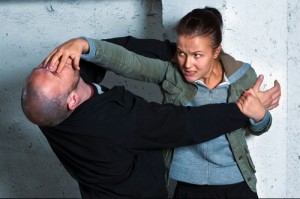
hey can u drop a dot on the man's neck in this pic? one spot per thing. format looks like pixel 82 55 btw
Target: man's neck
pixel 84 91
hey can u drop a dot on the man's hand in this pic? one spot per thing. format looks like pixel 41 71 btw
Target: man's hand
pixel 72 49
pixel 250 105
pixel 269 98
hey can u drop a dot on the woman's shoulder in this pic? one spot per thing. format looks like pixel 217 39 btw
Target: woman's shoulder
pixel 230 64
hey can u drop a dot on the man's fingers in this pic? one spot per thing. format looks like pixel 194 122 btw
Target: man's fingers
pixel 239 104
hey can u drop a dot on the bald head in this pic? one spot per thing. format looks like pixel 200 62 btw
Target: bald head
pixel 45 94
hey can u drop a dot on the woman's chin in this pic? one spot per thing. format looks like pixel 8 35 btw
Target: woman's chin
pixel 190 79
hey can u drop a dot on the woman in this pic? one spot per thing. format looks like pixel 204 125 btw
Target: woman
pixel 218 168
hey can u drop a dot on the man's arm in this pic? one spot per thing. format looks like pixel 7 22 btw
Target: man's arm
pixel 159 126
pixel 164 126
pixel 152 48
pixel 91 72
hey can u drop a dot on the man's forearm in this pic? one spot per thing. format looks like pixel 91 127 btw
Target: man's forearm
pixel 162 126
pixel 152 48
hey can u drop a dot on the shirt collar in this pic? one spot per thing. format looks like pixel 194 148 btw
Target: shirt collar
pixel 99 89
pixel 225 81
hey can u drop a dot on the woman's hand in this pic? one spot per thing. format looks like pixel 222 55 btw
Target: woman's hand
pixel 72 49
pixel 269 98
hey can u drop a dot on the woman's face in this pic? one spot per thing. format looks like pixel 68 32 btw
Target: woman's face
pixel 195 57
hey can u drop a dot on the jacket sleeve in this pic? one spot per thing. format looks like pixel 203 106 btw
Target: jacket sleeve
pixel 152 48
pixel 258 128
pixel 126 63
pixel 164 126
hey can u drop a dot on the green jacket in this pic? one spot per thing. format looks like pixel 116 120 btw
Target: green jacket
pixel 179 92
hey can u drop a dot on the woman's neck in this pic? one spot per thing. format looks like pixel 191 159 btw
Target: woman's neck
pixel 216 75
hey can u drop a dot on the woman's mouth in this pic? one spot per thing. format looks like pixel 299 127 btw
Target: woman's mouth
pixel 189 73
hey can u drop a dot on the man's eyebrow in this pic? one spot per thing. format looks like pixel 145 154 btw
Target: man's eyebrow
pixel 53 72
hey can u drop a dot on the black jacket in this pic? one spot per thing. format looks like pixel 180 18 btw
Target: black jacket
pixel 111 144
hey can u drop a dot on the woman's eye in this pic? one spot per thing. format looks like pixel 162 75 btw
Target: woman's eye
pixel 181 54
pixel 197 55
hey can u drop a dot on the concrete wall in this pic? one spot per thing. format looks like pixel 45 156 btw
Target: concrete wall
pixel 263 33
pixel 293 107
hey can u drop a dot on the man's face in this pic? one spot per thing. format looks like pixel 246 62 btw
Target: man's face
pixel 56 83
pixel 45 96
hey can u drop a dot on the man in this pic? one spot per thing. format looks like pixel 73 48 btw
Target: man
pixel 110 141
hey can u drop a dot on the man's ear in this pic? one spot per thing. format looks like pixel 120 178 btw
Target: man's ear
pixel 72 101
pixel 217 51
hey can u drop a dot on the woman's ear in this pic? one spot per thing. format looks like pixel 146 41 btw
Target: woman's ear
pixel 72 101
pixel 217 51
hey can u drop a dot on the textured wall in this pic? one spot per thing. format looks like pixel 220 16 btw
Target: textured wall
pixel 293 109
pixel 263 33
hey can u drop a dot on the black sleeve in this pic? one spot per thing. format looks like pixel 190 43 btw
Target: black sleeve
pixel 163 50
pixel 91 72
pixel 160 126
